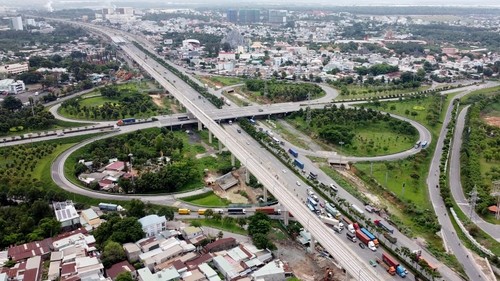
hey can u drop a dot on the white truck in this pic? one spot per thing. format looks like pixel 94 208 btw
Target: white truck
pixel 351 229
pixel 332 222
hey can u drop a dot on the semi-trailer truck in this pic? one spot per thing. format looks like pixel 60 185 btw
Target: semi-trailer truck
pixel 391 238
pixel 399 270
pixel 388 268
pixel 370 235
pixel 268 210
pixel 332 222
pixel 126 121
pixel 299 164
pixel 367 241
pixel 293 152
pixel 380 224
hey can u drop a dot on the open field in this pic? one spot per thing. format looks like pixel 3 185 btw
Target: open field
pixel 222 224
pixel 219 81
pixel 360 92
pixel 208 199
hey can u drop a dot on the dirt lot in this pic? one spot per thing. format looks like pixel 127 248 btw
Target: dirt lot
pixel 307 267
pixel 492 120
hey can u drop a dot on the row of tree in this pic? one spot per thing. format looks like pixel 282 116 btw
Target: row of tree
pixel 280 91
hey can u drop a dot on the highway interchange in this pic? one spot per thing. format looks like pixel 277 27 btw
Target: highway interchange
pixel 269 171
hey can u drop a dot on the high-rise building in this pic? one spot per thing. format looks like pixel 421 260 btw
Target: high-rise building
pixel 125 11
pixel 17 23
pixel 232 16
pixel 249 16
pixel 277 16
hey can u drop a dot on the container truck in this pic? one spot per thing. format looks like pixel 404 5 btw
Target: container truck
pixel 126 121
pixel 331 222
pixel 391 239
pixel 268 210
pixel 383 226
pixel 388 268
pixel 184 211
pixel 299 164
pixel 367 241
pixel 390 261
pixel 293 152
pixel 370 235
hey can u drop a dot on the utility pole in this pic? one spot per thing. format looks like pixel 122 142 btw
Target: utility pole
pixel 472 201
pixel 308 109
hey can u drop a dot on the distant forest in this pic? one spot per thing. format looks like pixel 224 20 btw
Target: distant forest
pixel 414 10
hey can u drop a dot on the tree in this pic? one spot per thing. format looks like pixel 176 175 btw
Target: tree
pixel 124 276
pixel 209 213
pixel 12 103
pixel 119 230
pixel 261 241
pixel 167 212
pixel 196 224
pixel 136 208
pixel 113 252
pixel 220 234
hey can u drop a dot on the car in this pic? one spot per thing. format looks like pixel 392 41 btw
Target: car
pixel 373 263
pixel 284 171
pixel 297 183
pixel 321 204
pixel 248 143
pixel 238 130
pixel 260 109
pixel 362 246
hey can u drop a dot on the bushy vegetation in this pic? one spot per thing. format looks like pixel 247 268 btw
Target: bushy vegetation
pixel 120 102
pixel 377 69
pixel 338 124
pixel 259 226
pixel 280 91
pixel 480 155
pixel 15 117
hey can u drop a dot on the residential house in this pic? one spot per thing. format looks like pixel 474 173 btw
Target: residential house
pixel 191 232
pixel 25 251
pixel 66 213
pixel 209 272
pixel 153 224
pixel 193 275
pixel 120 267
pixel 228 270
pixel 273 271
pixel 144 274
pixel 132 251
pixel 89 217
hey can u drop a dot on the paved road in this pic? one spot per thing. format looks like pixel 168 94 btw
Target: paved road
pixel 451 240
pixel 456 183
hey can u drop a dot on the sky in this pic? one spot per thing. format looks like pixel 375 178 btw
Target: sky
pixel 61 4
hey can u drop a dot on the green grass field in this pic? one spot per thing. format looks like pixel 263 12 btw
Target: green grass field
pixel 230 227
pixel 385 142
pixel 208 199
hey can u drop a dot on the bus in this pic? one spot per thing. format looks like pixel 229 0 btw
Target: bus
pixel 235 211
pixel 201 212
pixel 311 201
pixel 184 211
pixel 183 118
pixel 313 175
pixel 311 208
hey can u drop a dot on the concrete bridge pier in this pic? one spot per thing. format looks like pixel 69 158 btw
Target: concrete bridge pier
pixel 265 194
pixel 200 126
pixel 286 216
pixel 233 160
pixel 210 135
pixel 247 176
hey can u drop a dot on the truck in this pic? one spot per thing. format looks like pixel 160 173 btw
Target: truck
pixel 391 238
pixel 110 207
pixel 184 211
pixel 293 152
pixel 383 226
pixel 313 175
pixel 312 201
pixel 331 221
pixel 390 261
pixel 370 235
pixel 388 268
pixel 424 144
pixel 358 209
pixel 126 121
pixel 367 241
pixel 276 140
pixel 299 164
pixel 332 210
pixel 268 210
pixel 227 102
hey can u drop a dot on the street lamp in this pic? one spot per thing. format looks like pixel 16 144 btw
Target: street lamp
pixel 341 146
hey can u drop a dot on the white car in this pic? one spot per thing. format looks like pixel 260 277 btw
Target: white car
pixel 284 171
pixel 297 183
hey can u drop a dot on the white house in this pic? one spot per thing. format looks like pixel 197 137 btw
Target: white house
pixel 66 213
pixel 153 224
pixel 11 86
